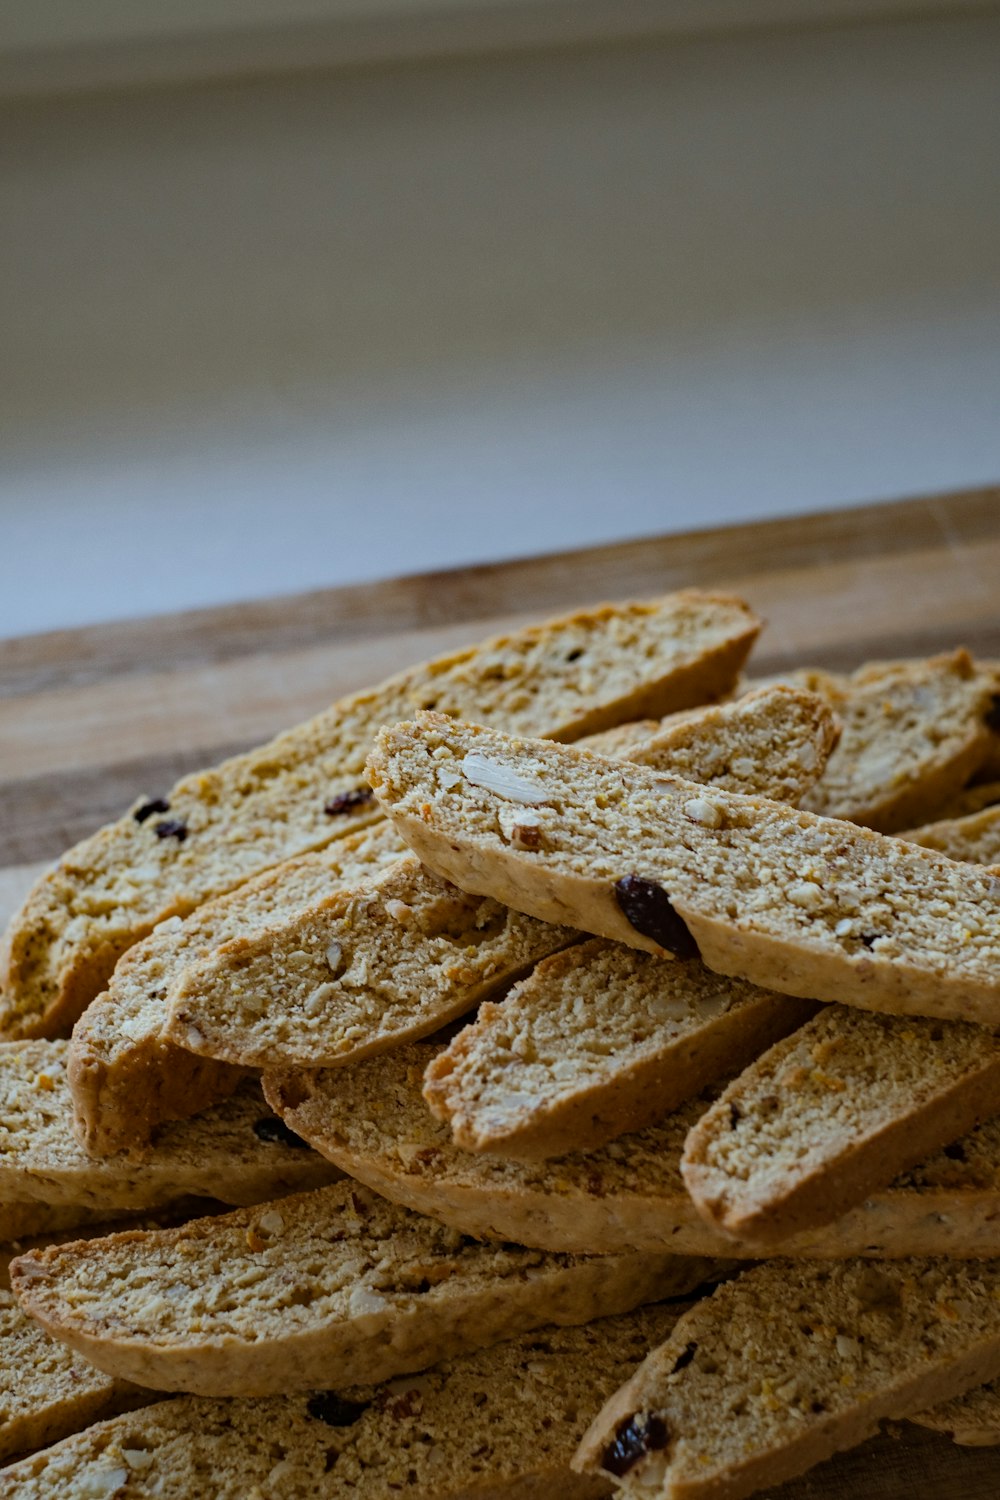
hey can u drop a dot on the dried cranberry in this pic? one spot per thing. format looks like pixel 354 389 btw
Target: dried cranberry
pixel 171 828
pixel 735 1116
pixel 992 714
pixel 328 1407
pixel 870 938
pixel 147 809
pixel 275 1132
pixel 955 1152
pixel 633 1440
pixel 346 802
pixel 647 907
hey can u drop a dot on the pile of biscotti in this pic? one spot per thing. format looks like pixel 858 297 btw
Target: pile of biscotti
pixel 567 1067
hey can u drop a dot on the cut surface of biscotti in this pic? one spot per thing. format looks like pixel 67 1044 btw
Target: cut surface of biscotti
pixel 126 1076
pixel 271 1299
pixel 47 1391
pixel 598 1040
pixel 237 1152
pixel 975 837
pixel 832 1112
pixel 371 1121
pixel 972 1420
pixel 806 905
pixel 500 1422
pixel 772 742
pixel 217 828
pixel 914 732
pixel 790 1363
pixel 379 962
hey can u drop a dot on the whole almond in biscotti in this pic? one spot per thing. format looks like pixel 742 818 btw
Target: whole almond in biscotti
pixel 237 1152
pixel 371 1121
pixel 501 1422
pixel 217 828
pixel 806 905
pixel 380 962
pixel 832 1112
pixel 773 742
pixel 789 1364
pixel 275 1298
pixel 913 733
pixel 597 1040
pixel 125 1074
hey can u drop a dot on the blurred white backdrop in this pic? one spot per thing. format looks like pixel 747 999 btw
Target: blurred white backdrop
pixel 274 334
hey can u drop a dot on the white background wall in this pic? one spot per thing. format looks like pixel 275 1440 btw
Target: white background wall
pixel 266 335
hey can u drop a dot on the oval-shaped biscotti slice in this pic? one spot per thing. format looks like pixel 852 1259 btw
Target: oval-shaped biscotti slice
pixel 501 1422
pixel 772 742
pixel 832 1112
pixel 794 902
pixel 216 828
pixel 790 1363
pixel 371 1121
pixel 237 1152
pixel 975 837
pixel 379 962
pixel 272 1299
pixel 914 732
pixel 598 1040
pixel 126 1076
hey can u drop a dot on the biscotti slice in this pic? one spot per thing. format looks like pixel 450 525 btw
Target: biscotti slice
pixel 972 800
pixel 371 1121
pixel 379 962
pixel 273 1299
pixel 46 1391
pixel 830 1113
pixel 237 1152
pixel 125 1075
pixel 789 1364
pixel 597 1041
pixel 914 732
pixel 500 1422
pixel 22 1219
pixel 806 905
pixel 217 828
pixel 972 1420
pixel 975 837
pixel 773 742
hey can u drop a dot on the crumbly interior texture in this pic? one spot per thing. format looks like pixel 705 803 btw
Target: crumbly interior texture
pixel 790 1363
pixel 372 1121
pixel 126 1076
pixel 217 828
pixel 598 1040
pixel 268 1299
pixel 46 1391
pixel 382 961
pixel 237 1152
pixel 772 742
pixel 833 1111
pixel 913 733
pixel 795 902
pixel 502 1422
pixel 975 837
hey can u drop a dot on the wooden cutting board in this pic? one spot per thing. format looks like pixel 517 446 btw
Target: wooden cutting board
pixel 90 719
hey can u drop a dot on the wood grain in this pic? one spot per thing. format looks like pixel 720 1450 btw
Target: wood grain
pixel 90 719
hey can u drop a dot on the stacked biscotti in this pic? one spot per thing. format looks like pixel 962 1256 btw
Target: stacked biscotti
pixel 579 979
